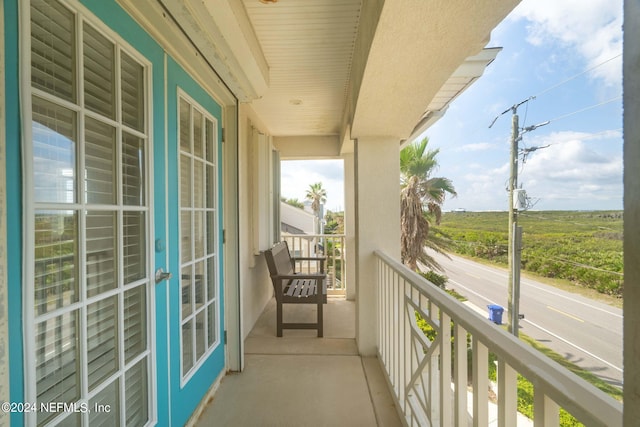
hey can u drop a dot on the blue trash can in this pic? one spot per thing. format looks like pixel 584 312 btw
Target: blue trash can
pixel 495 313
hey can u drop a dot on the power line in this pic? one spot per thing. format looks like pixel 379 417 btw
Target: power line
pixel 540 217
pixel 590 136
pixel 586 109
pixel 578 75
pixel 566 261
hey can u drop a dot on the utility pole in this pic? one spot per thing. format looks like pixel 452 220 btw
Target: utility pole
pixel 515 232
pixel 512 287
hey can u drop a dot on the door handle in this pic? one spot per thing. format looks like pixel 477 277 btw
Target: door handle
pixel 161 275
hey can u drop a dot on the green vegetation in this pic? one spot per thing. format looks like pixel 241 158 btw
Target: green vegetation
pixel 526 390
pixel 421 198
pixel 334 222
pixel 293 202
pixel 582 247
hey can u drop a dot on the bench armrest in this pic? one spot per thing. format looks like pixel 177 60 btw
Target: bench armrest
pixel 321 260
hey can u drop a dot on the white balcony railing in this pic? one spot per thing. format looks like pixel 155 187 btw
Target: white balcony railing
pixel 331 246
pixel 431 381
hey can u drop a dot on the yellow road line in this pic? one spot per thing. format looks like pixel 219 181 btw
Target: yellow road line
pixel 566 314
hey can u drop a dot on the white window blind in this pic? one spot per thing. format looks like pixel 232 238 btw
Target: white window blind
pixel 90 257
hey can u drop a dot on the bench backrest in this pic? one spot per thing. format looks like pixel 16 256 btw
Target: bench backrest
pixel 279 260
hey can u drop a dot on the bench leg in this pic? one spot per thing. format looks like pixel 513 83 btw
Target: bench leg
pixel 320 320
pixel 278 319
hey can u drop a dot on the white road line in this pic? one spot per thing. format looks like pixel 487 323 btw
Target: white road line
pixel 528 283
pixel 473 292
pixel 571 299
pixel 543 329
pixel 572 344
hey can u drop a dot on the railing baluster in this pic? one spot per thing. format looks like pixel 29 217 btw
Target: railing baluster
pixel 545 411
pixel 480 383
pixel 460 375
pixel 507 395
pixel 445 370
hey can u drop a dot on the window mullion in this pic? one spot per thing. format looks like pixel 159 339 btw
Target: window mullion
pixel 120 227
pixel 81 326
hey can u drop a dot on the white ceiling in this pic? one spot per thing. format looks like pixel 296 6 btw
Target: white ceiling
pixel 339 69
pixel 308 46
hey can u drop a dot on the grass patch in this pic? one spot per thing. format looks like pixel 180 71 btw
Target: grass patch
pixel 584 248
pixel 612 391
pixel 526 389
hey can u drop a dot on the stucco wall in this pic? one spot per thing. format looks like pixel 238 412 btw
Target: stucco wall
pixel 377 202
pixel 255 287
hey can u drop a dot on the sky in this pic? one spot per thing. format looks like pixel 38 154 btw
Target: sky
pixel 567 55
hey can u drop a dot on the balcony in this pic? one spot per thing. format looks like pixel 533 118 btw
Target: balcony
pixel 303 380
pixel 300 379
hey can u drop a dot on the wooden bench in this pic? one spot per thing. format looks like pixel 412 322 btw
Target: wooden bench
pixel 296 288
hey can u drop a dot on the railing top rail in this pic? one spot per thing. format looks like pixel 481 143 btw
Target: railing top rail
pixel 306 236
pixel 568 390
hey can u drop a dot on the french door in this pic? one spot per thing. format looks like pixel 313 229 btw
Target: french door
pixel 88 262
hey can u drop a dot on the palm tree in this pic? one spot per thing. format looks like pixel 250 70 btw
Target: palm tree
pixel 317 195
pixel 422 197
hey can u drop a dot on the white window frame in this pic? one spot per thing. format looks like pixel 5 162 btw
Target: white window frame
pixel 81 15
pixel 194 105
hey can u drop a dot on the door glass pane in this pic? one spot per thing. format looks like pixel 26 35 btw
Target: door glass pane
pixel 136 386
pixel 209 140
pixel 53 59
pixel 185 235
pixel 101 252
pixel 99 153
pixel 201 334
pixel 185 181
pixel 185 126
pixel 187 346
pixel 197 134
pixel 211 233
pixel 199 284
pixel 212 331
pixel 57 356
pixel 186 291
pixel 56 263
pixel 102 347
pixel 54 152
pixel 211 279
pixel 199 234
pixel 99 70
pixel 133 110
pixel 134 252
pixel 105 407
pixel 135 322
pixel 211 187
pixel 133 170
pixel 198 184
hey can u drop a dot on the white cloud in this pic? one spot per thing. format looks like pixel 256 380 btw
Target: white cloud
pixel 297 175
pixel 572 170
pixel 479 146
pixel 593 28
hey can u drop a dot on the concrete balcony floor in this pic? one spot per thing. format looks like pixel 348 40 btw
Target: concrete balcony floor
pixel 302 380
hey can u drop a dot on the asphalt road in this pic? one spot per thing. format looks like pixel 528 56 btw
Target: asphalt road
pixel 586 332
